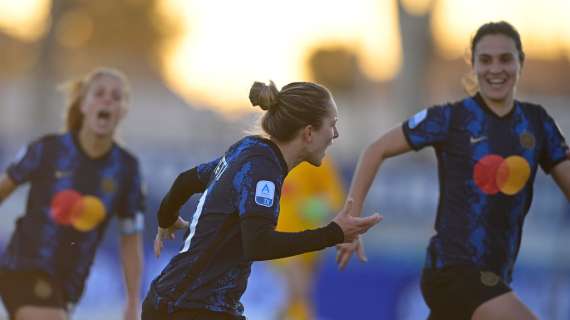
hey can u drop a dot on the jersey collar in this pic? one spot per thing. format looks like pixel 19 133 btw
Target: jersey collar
pixel 75 138
pixel 481 102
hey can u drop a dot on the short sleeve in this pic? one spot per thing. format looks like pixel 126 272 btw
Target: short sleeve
pixel 428 127
pixel 27 163
pixel 132 205
pixel 555 148
pixel 258 187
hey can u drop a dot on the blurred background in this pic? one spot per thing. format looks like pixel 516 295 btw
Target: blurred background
pixel 191 64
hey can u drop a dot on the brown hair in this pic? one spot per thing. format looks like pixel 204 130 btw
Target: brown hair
pixel 298 104
pixel 77 89
pixel 501 27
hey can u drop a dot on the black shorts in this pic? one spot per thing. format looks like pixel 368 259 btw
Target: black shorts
pixel 455 292
pixel 30 288
pixel 152 312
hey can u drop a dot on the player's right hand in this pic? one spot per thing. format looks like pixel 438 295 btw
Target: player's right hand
pixel 352 226
pixel 168 234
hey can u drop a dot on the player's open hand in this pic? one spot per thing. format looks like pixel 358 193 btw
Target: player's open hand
pixel 168 234
pixel 353 226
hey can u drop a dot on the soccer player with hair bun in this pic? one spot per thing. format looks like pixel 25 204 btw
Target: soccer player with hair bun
pixel 234 222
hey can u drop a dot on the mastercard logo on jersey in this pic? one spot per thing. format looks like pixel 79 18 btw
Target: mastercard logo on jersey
pixel 84 213
pixel 493 173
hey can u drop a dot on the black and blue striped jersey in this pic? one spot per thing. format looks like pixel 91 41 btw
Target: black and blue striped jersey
pixel 487 165
pixel 232 226
pixel 70 201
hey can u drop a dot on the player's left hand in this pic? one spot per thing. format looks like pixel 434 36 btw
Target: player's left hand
pixel 345 250
pixel 168 234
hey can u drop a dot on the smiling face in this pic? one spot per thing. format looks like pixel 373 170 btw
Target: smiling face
pixel 497 66
pixel 104 105
pixel 318 140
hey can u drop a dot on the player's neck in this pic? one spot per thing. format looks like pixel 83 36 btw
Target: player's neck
pixel 500 107
pixel 93 145
pixel 290 152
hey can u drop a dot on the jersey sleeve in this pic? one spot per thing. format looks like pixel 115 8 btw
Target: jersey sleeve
pixel 428 127
pixel 132 206
pixel 27 162
pixel 206 170
pixel 257 186
pixel 555 148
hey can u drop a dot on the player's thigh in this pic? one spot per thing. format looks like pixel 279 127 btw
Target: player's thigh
pixel 32 295
pixel 44 313
pixel 504 307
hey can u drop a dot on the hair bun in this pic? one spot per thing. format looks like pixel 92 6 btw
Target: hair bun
pixel 264 96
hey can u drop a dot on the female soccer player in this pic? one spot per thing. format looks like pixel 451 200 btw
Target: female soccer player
pixel 234 223
pixel 78 180
pixel 488 148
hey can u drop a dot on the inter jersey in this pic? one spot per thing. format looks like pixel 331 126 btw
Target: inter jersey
pixel 247 180
pixel 70 202
pixel 487 165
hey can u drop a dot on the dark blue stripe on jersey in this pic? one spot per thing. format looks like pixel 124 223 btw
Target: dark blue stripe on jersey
pixel 243 185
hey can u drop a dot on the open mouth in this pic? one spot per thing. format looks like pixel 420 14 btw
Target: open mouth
pixel 104 115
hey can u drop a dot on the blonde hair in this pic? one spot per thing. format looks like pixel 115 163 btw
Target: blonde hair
pixel 294 106
pixel 77 89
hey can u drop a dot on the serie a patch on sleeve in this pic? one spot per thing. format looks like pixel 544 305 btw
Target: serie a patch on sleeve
pixel 416 119
pixel 264 193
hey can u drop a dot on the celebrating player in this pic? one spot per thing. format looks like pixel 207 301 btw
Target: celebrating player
pixel 78 180
pixel 234 223
pixel 488 148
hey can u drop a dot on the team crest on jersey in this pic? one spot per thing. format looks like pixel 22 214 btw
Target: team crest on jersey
pixel 527 140
pixel 108 185
pixel 264 193
pixel 416 119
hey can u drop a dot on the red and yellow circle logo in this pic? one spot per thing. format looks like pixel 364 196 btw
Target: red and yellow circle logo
pixel 84 213
pixel 493 173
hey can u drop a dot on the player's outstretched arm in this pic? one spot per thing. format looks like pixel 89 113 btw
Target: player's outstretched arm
pixel 391 144
pixel 261 242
